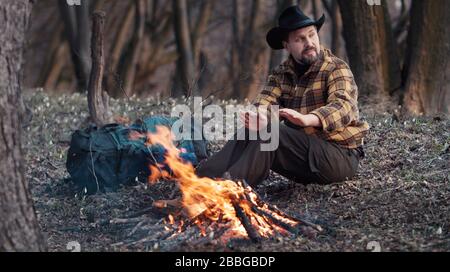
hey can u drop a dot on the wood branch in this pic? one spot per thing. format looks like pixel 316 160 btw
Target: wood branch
pixel 275 221
pixel 97 98
pixel 260 202
pixel 252 233
pixel 174 203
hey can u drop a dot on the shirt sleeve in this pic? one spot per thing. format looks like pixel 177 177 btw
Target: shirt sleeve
pixel 270 94
pixel 342 102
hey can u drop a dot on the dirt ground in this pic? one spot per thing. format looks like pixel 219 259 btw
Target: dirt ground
pixel 399 201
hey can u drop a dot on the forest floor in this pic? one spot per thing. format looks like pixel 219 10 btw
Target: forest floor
pixel 400 199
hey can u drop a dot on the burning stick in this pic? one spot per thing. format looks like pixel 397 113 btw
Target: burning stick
pixel 261 203
pixel 275 221
pixel 252 233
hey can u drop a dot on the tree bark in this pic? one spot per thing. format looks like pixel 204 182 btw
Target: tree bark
pixel 427 67
pixel 131 58
pixel 97 98
pixel 113 80
pixel 186 62
pixel 278 56
pixel 53 65
pixel 316 9
pixel 19 228
pixel 336 34
pixel 235 70
pixel 200 28
pixel 246 48
pixel 77 25
pixel 370 47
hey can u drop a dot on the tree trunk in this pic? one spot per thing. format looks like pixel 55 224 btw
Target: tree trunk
pixel 235 70
pixel 186 62
pixel 427 67
pixel 370 47
pixel 131 58
pixel 52 67
pixel 19 229
pixel 316 9
pixel 200 28
pixel 278 56
pixel 113 80
pixel 246 48
pixel 77 25
pixel 337 29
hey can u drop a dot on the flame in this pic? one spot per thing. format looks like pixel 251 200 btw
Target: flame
pixel 212 199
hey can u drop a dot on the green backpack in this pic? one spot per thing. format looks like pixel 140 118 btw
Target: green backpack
pixel 103 159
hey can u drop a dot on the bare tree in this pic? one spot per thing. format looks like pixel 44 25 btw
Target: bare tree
pixel 246 47
pixel 427 65
pixel 77 24
pixel 332 8
pixel 188 37
pixel 19 228
pixel 132 56
pixel 186 62
pixel 316 9
pixel 277 56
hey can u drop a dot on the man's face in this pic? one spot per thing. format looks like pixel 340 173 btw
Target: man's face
pixel 304 45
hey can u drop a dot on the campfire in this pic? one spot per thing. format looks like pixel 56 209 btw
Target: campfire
pixel 231 208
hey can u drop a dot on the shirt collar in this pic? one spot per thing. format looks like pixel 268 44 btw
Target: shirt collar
pixel 289 65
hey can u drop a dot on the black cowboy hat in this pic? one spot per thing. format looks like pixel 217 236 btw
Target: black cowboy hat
pixel 291 19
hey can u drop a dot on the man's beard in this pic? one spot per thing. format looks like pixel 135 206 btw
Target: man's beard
pixel 310 59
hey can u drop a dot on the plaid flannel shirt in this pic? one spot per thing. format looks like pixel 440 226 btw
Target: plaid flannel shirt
pixel 327 90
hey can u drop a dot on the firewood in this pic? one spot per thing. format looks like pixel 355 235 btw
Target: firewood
pixel 252 233
pixel 172 203
pixel 260 203
pixel 275 221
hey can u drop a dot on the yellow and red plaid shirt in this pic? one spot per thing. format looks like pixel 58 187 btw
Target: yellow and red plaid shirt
pixel 327 90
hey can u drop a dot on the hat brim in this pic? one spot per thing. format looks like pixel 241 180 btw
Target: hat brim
pixel 275 36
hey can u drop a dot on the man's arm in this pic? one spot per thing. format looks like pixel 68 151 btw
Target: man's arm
pixel 303 120
pixel 267 97
pixel 270 93
pixel 342 103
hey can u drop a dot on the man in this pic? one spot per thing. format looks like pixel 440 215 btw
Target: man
pixel 321 139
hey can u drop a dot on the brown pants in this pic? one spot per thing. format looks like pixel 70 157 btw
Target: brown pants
pixel 300 157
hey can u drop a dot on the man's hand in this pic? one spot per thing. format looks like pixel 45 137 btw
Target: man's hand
pixel 254 121
pixel 296 118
